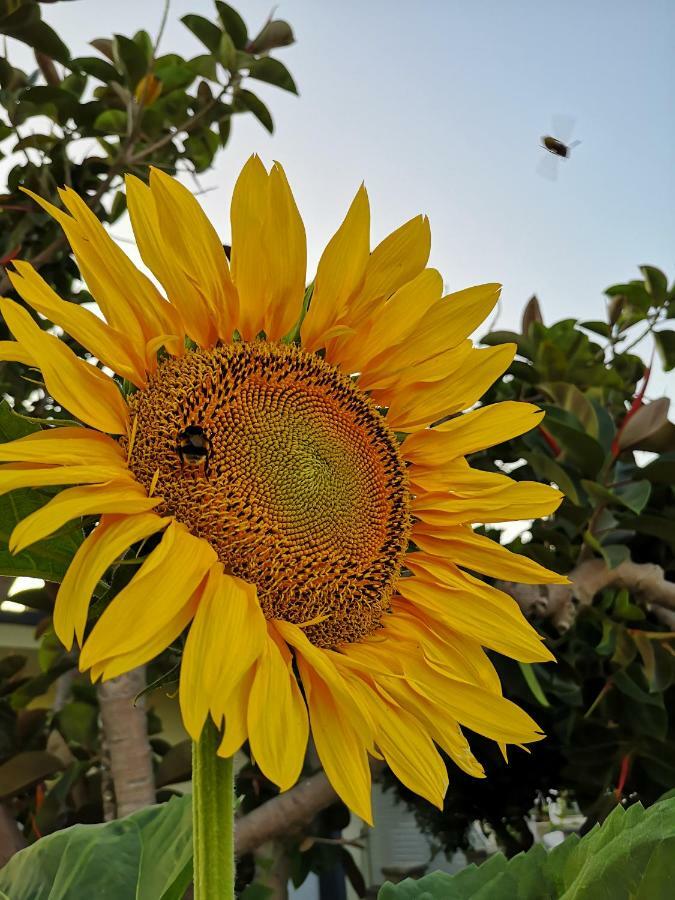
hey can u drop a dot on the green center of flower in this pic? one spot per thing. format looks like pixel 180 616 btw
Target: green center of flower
pixel 288 471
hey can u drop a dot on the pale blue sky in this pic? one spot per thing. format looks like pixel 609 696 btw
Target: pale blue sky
pixel 439 107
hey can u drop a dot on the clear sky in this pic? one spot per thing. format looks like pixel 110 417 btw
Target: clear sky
pixel 439 107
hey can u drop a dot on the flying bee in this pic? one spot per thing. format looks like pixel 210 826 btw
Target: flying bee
pixel 193 447
pixel 559 146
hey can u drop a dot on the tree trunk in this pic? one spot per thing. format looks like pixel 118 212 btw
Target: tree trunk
pixel 125 736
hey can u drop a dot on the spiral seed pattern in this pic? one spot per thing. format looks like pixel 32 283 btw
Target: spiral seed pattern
pixel 305 494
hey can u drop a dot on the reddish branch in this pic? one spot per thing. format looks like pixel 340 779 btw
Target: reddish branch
pixel 634 407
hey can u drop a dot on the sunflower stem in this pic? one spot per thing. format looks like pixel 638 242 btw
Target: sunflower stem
pixel 212 818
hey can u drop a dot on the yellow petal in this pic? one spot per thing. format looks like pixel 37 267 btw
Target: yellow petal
pixel 13 477
pixel 106 344
pixel 397 317
pixel 482 711
pixel 125 285
pixel 339 745
pixel 473 431
pixel 153 598
pixel 247 213
pixel 404 387
pixel 81 388
pixel 66 446
pixel 455 475
pixel 278 727
pixel 490 617
pixel 285 248
pixel 399 258
pixel 193 243
pixel 392 319
pixel 441 726
pixel 474 551
pixel 225 639
pixel 113 536
pixel 340 729
pixel 128 299
pixel 122 497
pixel 450 652
pixel 405 744
pixel 13 351
pixel 235 711
pixel 157 641
pixel 189 307
pixel 340 273
pixel 518 500
pixel 446 324
pixel 443 398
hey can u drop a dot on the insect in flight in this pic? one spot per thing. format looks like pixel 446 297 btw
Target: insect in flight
pixel 193 447
pixel 559 146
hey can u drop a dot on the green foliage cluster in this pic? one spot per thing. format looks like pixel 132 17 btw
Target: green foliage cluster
pixel 627 858
pixel 606 442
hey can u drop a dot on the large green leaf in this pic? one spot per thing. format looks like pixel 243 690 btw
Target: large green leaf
pixel 146 856
pixel 46 559
pixel 629 857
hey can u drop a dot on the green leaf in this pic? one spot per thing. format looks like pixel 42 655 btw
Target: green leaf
pixel 493 338
pixel 24 24
pixel 233 24
pixel 547 468
pixel 530 676
pixel 201 148
pixel 665 344
pixel 662 470
pixel 97 68
pixel 205 31
pixel 247 100
pixel 628 857
pixel 130 59
pixel 569 397
pixel 634 495
pixel 580 448
pixel 657 284
pixel 25 770
pixel 597 327
pixel 147 855
pixel 112 121
pixel 274 33
pixel 46 559
pixel 227 52
pixel 204 65
pixel 273 72
pixel 615 554
pixel 174 76
pixel 78 723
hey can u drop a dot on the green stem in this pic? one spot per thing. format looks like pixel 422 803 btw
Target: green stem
pixel 212 818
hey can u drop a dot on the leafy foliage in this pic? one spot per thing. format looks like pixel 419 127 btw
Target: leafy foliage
pixel 606 706
pixel 109 861
pixel 629 856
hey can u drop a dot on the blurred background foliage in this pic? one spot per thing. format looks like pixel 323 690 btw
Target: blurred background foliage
pixel 606 442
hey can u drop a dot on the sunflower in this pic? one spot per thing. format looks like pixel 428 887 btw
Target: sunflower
pixel 289 465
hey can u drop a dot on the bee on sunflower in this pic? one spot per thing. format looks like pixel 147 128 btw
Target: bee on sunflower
pixel 298 458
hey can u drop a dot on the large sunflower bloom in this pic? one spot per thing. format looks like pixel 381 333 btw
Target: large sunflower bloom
pixel 318 553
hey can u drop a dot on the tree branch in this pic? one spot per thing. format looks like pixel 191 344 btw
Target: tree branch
pixel 283 814
pixel 560 602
